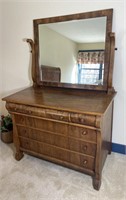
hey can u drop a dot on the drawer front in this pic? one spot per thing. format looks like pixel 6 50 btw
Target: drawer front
pixel 60 154
pixel 25 109
pixel 82 161
pixel 41 136
pixel 82 147
pixel 58 140
pixel 40 112
pixel 44 125
pixel 83 119
pixel 66 116
pixel 44 149
pixel 57 115
pixel 82 133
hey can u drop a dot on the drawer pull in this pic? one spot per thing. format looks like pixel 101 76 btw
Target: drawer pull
pixel 84 133
pixel 84 147
pixel 85 162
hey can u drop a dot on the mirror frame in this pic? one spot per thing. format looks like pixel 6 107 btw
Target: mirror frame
pixel 108 13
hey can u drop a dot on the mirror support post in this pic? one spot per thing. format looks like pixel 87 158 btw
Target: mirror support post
pixel 32 45
pixel 111 62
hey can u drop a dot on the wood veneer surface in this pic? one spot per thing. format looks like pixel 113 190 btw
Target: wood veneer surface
pixel 75 100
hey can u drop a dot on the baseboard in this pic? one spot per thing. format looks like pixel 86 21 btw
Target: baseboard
pixel 119 148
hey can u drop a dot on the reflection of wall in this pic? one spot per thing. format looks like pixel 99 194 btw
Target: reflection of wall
pixel 58 51
pixel 91 46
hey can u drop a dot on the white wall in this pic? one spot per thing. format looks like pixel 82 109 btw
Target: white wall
pixel 0 56
pixel 17 24
pixel 58 51
pixel 89 46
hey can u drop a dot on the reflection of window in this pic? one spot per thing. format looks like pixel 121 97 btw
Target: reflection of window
pixel 90 73
pixel 91 67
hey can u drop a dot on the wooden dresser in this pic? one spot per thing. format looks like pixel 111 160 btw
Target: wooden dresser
pixel 67 127
pixel 66 122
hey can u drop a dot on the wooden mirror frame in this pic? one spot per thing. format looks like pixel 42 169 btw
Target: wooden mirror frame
pixel 109 50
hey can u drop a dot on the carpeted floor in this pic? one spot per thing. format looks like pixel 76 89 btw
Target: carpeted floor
pixel 34 179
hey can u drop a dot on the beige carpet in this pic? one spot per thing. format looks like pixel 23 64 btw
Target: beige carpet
pixel 35 179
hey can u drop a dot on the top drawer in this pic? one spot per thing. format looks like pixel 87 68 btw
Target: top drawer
pixel 83 119
pixel 38 111
pixel 66 116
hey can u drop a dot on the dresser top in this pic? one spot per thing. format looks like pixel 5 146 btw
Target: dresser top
pixel 89 102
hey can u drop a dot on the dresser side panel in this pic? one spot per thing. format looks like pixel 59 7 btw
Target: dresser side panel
pixel 106 133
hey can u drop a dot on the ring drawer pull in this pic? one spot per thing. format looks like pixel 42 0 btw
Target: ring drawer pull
pixel 85 162
pixel 84 147
pixel 84 133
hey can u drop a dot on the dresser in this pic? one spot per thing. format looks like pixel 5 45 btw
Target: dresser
pixel 70 128
pixel 65 122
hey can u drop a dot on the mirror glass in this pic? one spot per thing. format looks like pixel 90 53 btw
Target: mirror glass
pixel 75 48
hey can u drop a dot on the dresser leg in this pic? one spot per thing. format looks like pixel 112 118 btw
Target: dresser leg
pixel 19 155
pixel 96 183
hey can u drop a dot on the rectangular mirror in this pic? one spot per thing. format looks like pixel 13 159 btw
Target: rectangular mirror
pixel 73 51
pixel 76 47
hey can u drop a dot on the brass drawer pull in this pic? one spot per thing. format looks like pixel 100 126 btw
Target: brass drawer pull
pixel 84 147
pixel 84 133
pixel 61 117
pixel 85 162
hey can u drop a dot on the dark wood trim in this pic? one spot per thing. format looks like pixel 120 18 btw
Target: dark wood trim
pixel 33 74
pixel 111 61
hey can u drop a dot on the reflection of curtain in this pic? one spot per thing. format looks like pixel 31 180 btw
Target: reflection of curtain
pixel 92 57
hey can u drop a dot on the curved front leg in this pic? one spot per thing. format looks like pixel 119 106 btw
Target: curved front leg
pixel 19 155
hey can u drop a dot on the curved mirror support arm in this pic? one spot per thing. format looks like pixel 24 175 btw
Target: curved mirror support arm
pixel 33 70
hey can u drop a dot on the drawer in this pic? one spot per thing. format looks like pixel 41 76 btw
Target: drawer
pixel 41 136
pixel 53 152
pixel 26 109
pixel 45 149
pixel 44 125
pixel 40 112
pixel 57 115
pixel 83 119
pixel 82 133
pixel 82 147
pixel 82 161
pixel 60 154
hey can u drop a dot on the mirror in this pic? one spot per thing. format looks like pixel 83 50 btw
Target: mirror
pixel 65 45
pixel 74 50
